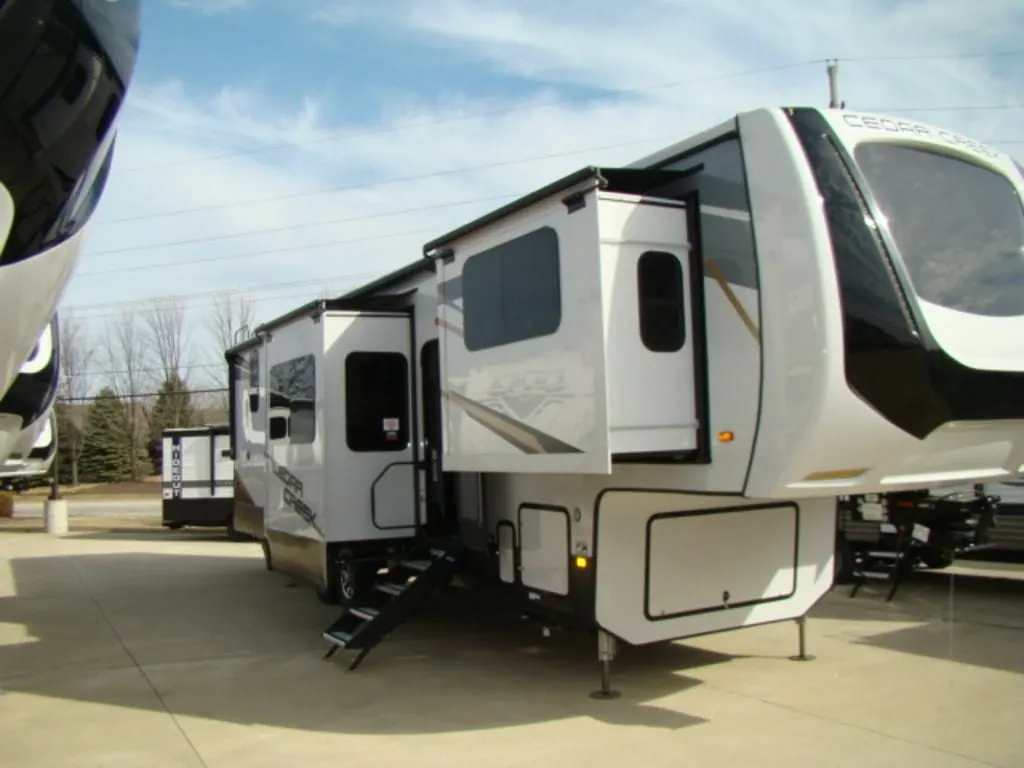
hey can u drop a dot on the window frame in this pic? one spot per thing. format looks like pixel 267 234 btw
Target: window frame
pixel 491 298
pixel 370 410
pixel 288 398
pixel 678 300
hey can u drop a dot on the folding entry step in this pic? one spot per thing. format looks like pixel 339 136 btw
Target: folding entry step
pixel 891 566
pixel 397 593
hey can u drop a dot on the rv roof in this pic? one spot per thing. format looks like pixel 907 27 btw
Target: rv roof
pixel 390 279
pixel 671 152
pixel 637 181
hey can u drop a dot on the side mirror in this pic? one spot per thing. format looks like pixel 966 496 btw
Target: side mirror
pixel 278 428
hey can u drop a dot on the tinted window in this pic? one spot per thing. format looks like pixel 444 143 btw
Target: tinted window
pixel 293 386
pixel 376 401
pixel 959 227
pixel 659 278
pixel 512 292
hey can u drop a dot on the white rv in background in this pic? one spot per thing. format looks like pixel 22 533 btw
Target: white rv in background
pixel 32 455
pixel 197 477
pixel 633 397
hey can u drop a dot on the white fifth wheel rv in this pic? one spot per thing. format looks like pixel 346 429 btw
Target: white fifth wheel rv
pixel 633 397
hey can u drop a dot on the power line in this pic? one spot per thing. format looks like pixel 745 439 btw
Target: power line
pixel 138 395
pixel 251 254
pixel 458 118
pixel 959 108
pixel 935 57
pixel 396 180
pixel 342 135
pixel 291 227
pixel 80 311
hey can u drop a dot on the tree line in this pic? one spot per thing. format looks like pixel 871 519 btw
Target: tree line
pixel 140 373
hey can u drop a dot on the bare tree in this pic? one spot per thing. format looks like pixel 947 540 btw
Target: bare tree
pixel 229 314
pixel 167 333
pixel 126 372
pixel 76 356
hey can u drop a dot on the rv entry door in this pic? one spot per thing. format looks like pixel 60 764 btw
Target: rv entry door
pixel 371 456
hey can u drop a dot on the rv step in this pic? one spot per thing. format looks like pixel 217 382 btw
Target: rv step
pixel 338 638
pixel 389 589
pixel 416 565
pixel 395 595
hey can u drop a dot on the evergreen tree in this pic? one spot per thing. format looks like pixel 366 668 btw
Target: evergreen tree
pixel 173 409
pixel 106 455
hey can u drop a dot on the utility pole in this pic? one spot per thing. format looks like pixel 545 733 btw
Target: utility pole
pixel 833 85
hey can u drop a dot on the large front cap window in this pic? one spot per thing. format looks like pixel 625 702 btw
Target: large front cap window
pixel 959 227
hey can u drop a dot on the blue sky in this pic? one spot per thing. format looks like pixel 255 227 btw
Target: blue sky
pixel 363 93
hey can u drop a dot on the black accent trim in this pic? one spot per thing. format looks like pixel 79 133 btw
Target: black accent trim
pixel 198 512
pixel 892 361
pixel 637 181
pixel 568 545
pixel 66 68
pixel 760 316
pixel 31 395
pixel 715 511
pixel 414 410
pixel 210 430
pixel 210 485
pixel 373 497
pixel 577 201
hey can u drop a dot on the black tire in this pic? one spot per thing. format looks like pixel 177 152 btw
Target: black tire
pixel 348 583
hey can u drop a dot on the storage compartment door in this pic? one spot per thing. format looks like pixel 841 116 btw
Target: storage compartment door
pixel 688 574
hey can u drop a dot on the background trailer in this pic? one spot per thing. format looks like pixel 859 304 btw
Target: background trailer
pixel 197 477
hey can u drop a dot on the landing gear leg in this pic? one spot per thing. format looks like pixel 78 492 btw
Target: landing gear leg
pixel 606 648
pixel 801 625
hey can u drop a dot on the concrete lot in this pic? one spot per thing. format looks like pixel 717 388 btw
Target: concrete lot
pixel 142 647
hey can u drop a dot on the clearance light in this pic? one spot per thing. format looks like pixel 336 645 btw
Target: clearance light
pixel 581 562
pixel 725 437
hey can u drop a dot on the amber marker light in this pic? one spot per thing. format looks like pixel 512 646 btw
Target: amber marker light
pixel 725 437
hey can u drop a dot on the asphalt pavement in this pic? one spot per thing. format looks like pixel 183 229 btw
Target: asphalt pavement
pixel 118 508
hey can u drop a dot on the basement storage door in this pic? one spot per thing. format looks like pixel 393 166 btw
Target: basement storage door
pixel 371 462
pixel 552 328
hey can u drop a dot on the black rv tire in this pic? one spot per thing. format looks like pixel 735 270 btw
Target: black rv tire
pixel 349 583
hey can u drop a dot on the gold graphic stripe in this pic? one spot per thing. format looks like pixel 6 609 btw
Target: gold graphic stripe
pixel 522 436
pixel 718 277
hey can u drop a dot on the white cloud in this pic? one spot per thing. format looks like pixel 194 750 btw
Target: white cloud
pixel 169 130
pixel 210 7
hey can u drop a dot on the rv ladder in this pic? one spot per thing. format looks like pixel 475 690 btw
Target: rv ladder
pixel 398 592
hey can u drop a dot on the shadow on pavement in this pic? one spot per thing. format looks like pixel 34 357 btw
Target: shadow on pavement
pixel 219 637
